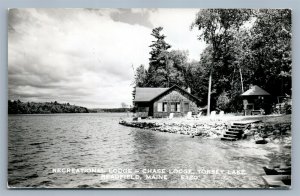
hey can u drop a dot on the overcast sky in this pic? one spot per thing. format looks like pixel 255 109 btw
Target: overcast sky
pixel 85 56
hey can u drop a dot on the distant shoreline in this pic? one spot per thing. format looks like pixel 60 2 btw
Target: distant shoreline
pixel 67 113
pixel 19 107
pixel 110 110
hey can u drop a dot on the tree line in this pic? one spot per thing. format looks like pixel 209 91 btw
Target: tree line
pixel 110 110
pixel 244 47
pixel 18 107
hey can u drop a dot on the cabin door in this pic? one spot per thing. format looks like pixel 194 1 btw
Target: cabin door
pixel 150 111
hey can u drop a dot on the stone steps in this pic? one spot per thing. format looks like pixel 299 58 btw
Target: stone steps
pixel 234 132
pixel 230 135
pixel 238 125
pixel 235 129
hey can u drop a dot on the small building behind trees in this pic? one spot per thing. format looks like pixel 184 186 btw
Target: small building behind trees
pixel 256 101
pixel 160 102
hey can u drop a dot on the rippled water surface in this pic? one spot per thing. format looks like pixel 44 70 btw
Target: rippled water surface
pixel 39 143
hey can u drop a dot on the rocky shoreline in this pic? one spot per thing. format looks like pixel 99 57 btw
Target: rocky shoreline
pixel 212 130
pixel 275 131
pixel 271 132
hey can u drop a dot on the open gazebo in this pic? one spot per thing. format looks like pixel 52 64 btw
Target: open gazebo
pixel 255 101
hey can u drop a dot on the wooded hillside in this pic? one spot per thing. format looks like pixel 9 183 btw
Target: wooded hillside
pixel 244 47
pixel 18 107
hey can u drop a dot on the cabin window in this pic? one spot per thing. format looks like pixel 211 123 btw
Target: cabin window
pixel 175 107
pixel 186 107
pixel 165 106
pixel 159 107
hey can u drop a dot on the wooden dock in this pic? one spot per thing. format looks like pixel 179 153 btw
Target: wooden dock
pixel 277 181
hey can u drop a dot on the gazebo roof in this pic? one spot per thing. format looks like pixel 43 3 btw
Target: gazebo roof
pixel 255 91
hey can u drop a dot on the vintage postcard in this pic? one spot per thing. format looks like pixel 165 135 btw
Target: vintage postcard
pixel 149 98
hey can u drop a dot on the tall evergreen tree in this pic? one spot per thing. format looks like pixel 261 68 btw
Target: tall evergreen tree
pixel 158 72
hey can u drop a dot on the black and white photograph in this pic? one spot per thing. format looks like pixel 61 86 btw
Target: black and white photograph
pixel 149 98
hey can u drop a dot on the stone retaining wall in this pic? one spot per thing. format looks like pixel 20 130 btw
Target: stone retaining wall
pixel 276 132
pixel 208 129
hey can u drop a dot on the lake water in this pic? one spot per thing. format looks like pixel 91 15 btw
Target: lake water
pixel 40 143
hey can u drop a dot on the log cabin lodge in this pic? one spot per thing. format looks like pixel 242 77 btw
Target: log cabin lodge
pixel 160 102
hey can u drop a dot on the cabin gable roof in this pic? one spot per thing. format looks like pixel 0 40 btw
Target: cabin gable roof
pixel 147 94
pixel 152 94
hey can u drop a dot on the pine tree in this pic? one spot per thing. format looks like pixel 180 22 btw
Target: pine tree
pixel 158 66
